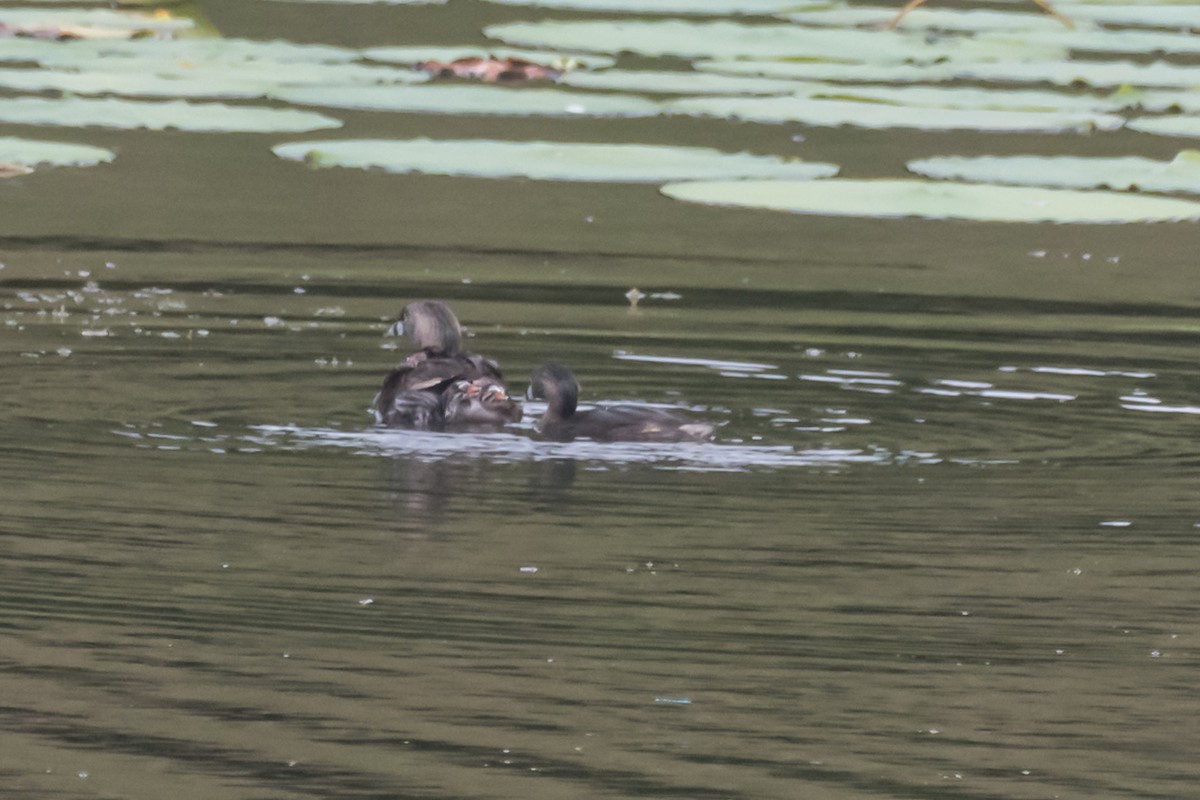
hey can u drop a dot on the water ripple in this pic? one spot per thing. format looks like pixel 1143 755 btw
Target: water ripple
pixel 503 447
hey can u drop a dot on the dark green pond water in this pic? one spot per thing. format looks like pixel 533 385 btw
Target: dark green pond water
pixel 941 547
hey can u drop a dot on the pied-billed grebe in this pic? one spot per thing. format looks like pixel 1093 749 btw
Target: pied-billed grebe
pixel 558 386
pixel 415 394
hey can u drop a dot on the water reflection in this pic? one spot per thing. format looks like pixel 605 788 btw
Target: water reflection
pixel 425 491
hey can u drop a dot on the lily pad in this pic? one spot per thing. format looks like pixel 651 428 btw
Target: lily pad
pixel 76 112
pixel 723 39
pixel 830 70
pixel 1086 35
pixel 935 200
pixel 256 79
pixel 1161 101
pixel 926 18
pixel 1182 174
pixel 33 153
pixel 1100 40
pixel 457 99
pixel 679 82
pixel 722 8
pixel 553 161
pixel 415 55
pixel 831 113
pixel 966 97
pixel 1090 73
pixel 89 23
pixel 103 14
pixel 1163 15
pixel 169 55
pixel 1168 126
pixel 1105 74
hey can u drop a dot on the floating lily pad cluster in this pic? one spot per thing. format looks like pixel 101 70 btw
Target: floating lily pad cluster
pixel 847 69
pixel 766 62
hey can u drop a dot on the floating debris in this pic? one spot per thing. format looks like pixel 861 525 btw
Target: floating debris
pixel 490 69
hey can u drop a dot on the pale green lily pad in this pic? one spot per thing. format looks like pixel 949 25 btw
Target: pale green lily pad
pixel 1101 74
pixel 935 200
pixel 831 113
pixel 75 112
pixel 1168 126
pixel 413 55
pixel 1099 40
pixel 220 68
pixel 1161 101
pixel 1182 174
pixel 929 17
pixel 830 70
pixel 966 97
pixel 167 55
pixel 284 73
pixel 91 18
pixel 1091 73
pixel 549 161
pixel 652 82
pixel 722 39
pixel 722 8
pixel 438 98
pixel 1033 25
pixel 33 153
pixel 256 79
pixel 1148 3
pixel 1179 15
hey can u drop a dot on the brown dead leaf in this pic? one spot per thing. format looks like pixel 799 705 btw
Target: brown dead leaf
pixel 13 170
pixel 490 70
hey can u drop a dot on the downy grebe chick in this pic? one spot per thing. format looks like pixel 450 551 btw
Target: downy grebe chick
pixel 482 401
pixel 558 386
pixel 404 400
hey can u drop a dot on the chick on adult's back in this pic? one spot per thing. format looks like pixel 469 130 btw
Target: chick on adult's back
pixel 416 393
pixel 481 402
pixel 558 386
